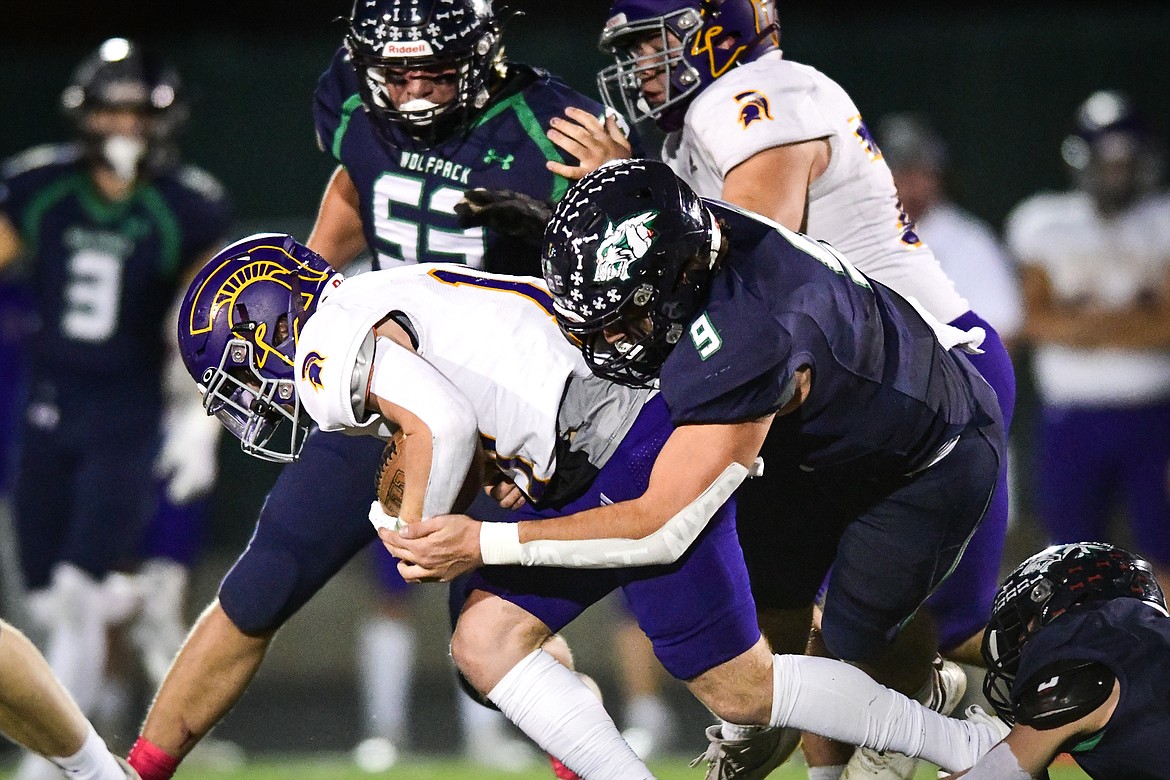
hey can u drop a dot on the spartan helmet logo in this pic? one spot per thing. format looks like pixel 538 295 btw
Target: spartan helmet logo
pixel 311 370
pixel 753 106
pixel 249 288
pixel 623 245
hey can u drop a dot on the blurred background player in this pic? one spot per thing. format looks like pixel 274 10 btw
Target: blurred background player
pixel 387 688
pixel 1095 263
pixel 38 713
pixel 1077 660
pixel 967 248
pixel 783 140
pixel 418 106
pixel 110 225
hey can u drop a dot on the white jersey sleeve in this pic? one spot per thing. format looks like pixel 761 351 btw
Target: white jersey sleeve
pixel 753 111
pixel 335 354
pixel 853 205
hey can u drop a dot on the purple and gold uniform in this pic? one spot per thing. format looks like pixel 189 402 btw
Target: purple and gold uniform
pixel 887 465
pixel 313 521
pixel 103 276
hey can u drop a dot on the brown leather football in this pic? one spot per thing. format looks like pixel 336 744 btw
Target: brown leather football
pixel 390 480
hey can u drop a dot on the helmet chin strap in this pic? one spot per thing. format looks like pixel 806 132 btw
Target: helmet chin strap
pixel 123 153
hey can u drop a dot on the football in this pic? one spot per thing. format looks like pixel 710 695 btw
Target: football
pixel 390 480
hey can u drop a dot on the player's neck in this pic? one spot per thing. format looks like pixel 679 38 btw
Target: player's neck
pixel 111 186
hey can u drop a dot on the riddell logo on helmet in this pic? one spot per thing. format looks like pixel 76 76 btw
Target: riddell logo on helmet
pixel 412 49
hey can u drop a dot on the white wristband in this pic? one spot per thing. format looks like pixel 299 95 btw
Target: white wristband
pixel 499 543
pixel 380 519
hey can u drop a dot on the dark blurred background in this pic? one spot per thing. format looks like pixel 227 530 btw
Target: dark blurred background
pixel 1000 84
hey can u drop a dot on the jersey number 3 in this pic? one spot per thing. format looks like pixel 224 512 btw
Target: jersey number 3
pixel 93 296
pixel 413 236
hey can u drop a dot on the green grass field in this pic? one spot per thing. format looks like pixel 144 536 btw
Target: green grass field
pixel 335 768
pixel 311 769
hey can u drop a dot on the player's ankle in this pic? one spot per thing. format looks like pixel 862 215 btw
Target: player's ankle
pixel 152 762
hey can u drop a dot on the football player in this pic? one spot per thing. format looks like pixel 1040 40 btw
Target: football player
pixel 783 140
pixel 1095 263
pixel 38 713
pixel 1077 659
pixel 111 225
pixel 273 337
pixel 418 105
pixel 896 437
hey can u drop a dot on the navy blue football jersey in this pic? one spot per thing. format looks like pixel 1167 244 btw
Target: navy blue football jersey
pixel 884 390
pixel 408 193
pixel 1133 640
pixel 103 274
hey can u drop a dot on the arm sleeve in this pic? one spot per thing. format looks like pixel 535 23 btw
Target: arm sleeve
pixel 500 542
pixel 404 378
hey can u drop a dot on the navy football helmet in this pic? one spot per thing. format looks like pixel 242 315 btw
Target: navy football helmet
pixel 1044 587
pixel 238 328
pixel 393 35
pixel 121 75
pixel 694 43
pixel 628 258
pixel 1111 152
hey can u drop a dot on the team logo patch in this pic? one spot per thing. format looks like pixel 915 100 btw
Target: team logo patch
pixel 753 106
pixel 623 245
pixel 311 370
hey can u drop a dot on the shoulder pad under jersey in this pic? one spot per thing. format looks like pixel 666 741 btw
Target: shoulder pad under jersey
pixel 1063 692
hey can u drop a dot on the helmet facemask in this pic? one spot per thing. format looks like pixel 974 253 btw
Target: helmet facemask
pixel 692 46
pixel 454 43
pixel 263 413
pixel 238 328
pixel 643 50
pixel 1046 586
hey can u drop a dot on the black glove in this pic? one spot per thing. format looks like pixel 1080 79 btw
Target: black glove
pixel 504 211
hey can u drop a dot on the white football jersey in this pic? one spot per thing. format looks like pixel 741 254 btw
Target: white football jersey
pixel 854 205
pixel 493 337
pixel 1105 262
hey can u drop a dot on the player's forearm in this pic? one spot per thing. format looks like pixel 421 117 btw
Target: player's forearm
pixel 337 234
pixel 595 540
pixel 434 414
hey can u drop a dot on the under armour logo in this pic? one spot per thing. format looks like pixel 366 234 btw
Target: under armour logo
pixel 505 161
